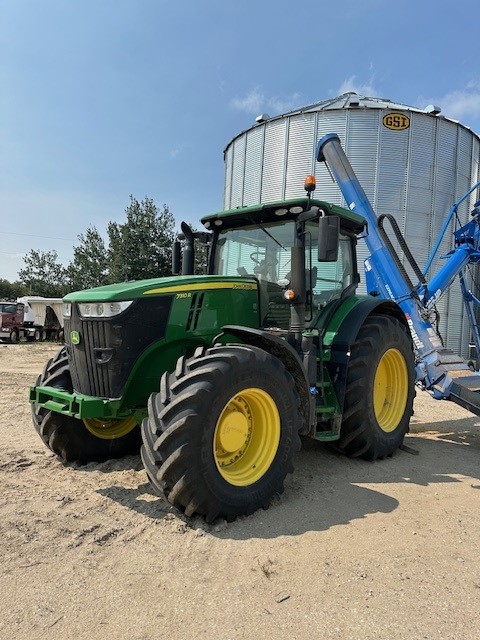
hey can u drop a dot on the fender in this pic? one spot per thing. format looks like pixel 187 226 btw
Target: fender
pixel 284 351
pixel 341 330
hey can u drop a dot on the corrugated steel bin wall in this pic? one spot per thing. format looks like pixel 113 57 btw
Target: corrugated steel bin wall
pixel 415 174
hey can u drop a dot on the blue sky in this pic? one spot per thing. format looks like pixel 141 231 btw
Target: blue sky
pixel 103 99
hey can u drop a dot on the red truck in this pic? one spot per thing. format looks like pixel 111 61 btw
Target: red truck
pixel 12 326
pixel 33 318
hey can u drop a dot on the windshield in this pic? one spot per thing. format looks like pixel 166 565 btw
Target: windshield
pixel 264 252
pixel 9 308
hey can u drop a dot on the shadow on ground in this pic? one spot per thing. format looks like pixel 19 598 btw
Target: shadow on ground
pixel 327 489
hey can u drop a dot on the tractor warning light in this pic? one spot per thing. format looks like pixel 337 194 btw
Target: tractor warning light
pixel 310 184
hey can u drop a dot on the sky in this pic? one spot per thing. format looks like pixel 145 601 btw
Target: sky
pixel 101 99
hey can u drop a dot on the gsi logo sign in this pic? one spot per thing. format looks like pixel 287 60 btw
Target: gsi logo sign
pixel 396 121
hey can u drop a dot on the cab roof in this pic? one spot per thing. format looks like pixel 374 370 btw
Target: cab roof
pixel 270 211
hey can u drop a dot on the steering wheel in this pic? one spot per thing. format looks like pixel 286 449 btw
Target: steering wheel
pixel 255 257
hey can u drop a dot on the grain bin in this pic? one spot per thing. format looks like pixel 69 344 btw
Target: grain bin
pixel 412 163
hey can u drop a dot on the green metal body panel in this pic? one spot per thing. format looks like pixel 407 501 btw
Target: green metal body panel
pixel 191 325
pixel 157 286
pixel 329 326
pixel 201 306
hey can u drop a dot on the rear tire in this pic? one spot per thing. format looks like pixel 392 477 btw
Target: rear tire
pixel 73 439
pixel 221 434
pixel 380 389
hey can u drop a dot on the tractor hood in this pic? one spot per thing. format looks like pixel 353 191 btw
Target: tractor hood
pixel 158 286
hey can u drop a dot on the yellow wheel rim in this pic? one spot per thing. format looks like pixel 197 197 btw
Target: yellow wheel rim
pixel 110 429
pixel 246 437
pixel 390 391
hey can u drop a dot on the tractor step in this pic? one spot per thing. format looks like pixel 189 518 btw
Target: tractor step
pixel 325 410
pixel 323 384
pixel 326 436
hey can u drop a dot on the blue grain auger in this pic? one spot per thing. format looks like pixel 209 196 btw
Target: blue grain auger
pixel 439 370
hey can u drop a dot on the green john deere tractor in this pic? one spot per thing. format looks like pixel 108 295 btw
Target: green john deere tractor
pixel 223 374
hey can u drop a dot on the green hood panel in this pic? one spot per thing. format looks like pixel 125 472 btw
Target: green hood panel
pixel 158 286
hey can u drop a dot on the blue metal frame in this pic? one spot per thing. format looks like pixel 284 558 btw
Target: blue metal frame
pixel 451 213
pixel 434 363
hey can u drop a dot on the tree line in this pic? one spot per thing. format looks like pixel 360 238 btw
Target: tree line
pixel 139 248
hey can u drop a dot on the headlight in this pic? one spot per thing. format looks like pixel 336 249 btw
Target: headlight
pixel 102 309
pixel 67 309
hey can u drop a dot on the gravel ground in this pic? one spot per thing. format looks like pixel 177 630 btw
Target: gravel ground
pixel 351 550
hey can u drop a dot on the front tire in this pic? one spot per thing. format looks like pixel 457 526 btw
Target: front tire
pixel 380 389
pixel 221 434
pixel 71 439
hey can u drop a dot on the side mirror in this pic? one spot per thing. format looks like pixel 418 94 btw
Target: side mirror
pixel 328 238
pixel 176 255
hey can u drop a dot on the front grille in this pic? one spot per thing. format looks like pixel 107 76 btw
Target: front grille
pixel 87 376
pixel 108 349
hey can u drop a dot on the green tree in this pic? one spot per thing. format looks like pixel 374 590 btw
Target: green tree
pixel 11 290
pixel 89 266
pixel 43 275
pixel 141 247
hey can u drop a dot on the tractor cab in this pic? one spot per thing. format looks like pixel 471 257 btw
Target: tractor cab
pixel 279 244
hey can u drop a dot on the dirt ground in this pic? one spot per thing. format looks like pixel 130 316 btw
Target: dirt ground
pixel 351 550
